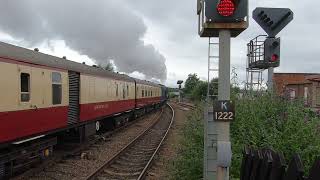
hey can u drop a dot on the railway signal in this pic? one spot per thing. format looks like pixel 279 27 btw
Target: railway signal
pixel 179 82
pixel 272 20
pixel 226 10
pixel 223 19
pixel 272 51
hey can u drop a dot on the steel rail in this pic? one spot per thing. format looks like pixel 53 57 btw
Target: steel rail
pixel 144 171
pixel 101 168
pixel 187 105
pixel 31 172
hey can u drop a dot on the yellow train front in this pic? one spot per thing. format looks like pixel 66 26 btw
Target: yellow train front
pixel 44 97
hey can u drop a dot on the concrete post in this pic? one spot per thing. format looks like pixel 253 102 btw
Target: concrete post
pixel 223 128
pixel 270 80
pixel 215 131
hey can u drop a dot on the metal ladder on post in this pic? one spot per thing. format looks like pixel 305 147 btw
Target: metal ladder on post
pixel 210 145
pixel 254 79
pixel 212 59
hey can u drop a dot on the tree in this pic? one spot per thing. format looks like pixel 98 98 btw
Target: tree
pixel 199 92
pixel 214 87
pixel 191 83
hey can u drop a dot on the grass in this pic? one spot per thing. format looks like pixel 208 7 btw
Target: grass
pixel 189 164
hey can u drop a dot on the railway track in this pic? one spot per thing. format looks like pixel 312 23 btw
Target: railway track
pixel 187 105
pixel 71 161
pixel 133 161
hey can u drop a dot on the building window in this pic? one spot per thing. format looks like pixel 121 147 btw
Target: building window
pixel 292 94
pixel 151 93
pixel 306 91
pixel 56 88
pixel 318 96
pixel 142 93
pixel 25 87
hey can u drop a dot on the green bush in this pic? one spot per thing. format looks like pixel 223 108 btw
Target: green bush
pixel 272 122
pixel 189 162
pixel 262 122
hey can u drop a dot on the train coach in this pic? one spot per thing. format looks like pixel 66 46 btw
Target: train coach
pixel 43 97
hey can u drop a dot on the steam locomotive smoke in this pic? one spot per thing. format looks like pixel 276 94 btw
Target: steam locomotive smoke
pixel 101 29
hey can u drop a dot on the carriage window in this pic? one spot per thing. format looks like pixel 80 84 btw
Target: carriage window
pixel 127 90
pixel 123 93
pixel 25 87
pixel 56 88
pixel 117 89
pixel 137 91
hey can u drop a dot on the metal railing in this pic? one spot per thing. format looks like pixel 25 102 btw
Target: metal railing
pixel 256 52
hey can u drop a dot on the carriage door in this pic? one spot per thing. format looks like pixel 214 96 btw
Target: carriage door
pixel 74 92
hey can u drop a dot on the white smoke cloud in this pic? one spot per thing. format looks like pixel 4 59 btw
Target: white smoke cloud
pixel 101 29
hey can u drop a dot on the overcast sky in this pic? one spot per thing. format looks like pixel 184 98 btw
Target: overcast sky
pixel 149 39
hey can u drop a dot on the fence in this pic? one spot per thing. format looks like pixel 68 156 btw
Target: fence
pixel 269 165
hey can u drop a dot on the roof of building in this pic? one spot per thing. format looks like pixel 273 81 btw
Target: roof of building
pixel 296 78
pixel 283 79
pixel 297 73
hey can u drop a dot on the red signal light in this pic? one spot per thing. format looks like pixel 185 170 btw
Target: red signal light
pixel 226 8
pixel 274 58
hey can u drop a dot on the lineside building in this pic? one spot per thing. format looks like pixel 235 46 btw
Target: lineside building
pixel 304 86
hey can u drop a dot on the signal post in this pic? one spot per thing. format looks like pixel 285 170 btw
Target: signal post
pixel 179 83
pixel 222 19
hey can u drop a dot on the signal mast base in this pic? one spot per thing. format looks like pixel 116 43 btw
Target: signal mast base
pixel 211 29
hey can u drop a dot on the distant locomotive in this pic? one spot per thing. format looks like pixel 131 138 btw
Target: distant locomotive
pixel 43 96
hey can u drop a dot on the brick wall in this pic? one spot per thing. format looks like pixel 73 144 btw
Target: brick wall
pixel 281 80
